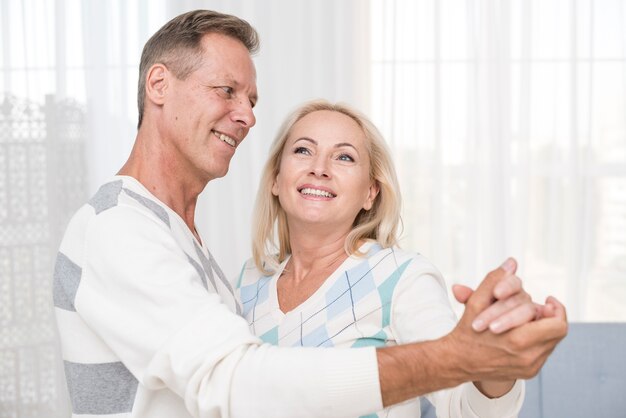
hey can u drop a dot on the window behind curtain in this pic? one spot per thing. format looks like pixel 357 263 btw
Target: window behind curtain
pixel 508 124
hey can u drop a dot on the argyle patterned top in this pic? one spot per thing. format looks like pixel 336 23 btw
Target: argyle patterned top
pixel 387 297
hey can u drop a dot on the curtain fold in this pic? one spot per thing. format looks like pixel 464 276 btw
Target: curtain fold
pixel 507 119
pixel 68 117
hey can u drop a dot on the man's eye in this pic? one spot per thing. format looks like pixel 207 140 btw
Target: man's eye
pixel 228 90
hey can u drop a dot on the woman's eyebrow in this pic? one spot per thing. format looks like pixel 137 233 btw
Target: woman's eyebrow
pixel 305 138
pixel 338 145
pixel 345 144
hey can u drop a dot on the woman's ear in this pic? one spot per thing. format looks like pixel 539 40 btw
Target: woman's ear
pixel 275 186
pixel 156 83
pixel 371 196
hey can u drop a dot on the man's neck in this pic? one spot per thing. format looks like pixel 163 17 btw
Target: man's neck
pixel 150 165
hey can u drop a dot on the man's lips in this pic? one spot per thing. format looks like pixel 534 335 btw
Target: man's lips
pixel 225 138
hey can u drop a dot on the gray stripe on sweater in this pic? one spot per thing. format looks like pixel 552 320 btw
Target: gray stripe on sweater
pixel 106 197
pixel 101 388
pixel 151 205
pixel 206 266
pixel 200 271
pixel 66 279
pixel 224 280
pixel 210 265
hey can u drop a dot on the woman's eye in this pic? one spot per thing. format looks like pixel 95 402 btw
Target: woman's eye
pixel 346 157
pixel 301 150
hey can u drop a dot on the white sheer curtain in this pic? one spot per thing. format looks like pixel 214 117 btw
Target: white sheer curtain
pixel 68 81
pixel 508 121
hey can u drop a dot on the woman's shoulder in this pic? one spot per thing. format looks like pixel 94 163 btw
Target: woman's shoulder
pixel 400 264
pixel 251 274
pixel 397 256
pixel 248 274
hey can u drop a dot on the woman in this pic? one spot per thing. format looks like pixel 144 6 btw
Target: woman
pixel 336 277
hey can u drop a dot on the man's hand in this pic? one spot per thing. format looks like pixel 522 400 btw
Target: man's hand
pixel 471 352
pixel 511 306
pixel 525 334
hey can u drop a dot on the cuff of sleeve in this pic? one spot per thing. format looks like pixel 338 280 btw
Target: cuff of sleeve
pixel 353 380
pixel 508 405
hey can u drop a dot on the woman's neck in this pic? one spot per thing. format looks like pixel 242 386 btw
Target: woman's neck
pixel 310 255
pixel 314 248
pixel 313 260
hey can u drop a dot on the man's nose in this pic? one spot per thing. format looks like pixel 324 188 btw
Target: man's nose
pixel 243 114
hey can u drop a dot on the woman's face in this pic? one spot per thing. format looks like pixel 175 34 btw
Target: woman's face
pixel 324 171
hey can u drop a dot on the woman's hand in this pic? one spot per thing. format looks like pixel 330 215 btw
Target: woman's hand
pixel 511 308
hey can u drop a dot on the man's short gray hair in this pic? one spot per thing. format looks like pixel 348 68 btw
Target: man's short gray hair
pixel 177 45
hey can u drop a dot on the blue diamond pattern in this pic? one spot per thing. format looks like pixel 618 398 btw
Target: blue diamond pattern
pixel 254 294
pixel 356 283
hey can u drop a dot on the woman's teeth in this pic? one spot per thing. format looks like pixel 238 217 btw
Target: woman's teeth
pixel 316 192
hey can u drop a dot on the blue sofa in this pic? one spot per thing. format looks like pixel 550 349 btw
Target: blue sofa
pixel 584 377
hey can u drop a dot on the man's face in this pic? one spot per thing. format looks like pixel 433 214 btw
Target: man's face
pixel 207 115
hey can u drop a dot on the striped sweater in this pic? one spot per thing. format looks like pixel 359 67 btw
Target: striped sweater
pixel 149 327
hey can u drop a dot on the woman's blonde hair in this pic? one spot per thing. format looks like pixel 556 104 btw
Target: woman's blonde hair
pixel 380 223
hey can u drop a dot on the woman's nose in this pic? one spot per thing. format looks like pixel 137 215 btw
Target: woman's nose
pixel 320 168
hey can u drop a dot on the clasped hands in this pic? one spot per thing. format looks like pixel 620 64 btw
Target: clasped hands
pixel 503 333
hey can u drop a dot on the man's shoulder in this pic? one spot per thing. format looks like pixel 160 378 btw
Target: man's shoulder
pixel 125 195
pixel 117 206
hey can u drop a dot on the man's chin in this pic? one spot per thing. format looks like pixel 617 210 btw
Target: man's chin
pixel 219 174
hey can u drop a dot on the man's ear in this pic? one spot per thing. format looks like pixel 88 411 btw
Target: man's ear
pixel 156 83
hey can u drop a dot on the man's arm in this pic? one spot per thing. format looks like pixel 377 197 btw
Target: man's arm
pixel 169 332
pixel 404 371
pixel 468 355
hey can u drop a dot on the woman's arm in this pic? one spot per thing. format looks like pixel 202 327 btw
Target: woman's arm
pixel 421 311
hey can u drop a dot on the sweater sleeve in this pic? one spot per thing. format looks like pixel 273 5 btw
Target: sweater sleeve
pixel 142 297
pixel 421 311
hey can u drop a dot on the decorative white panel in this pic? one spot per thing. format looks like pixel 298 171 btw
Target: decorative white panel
pixel 42 182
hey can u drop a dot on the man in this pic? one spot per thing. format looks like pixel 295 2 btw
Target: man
pixel 149 323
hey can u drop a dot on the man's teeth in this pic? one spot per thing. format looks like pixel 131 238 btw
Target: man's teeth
pixel 316 192
pixel 226 139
